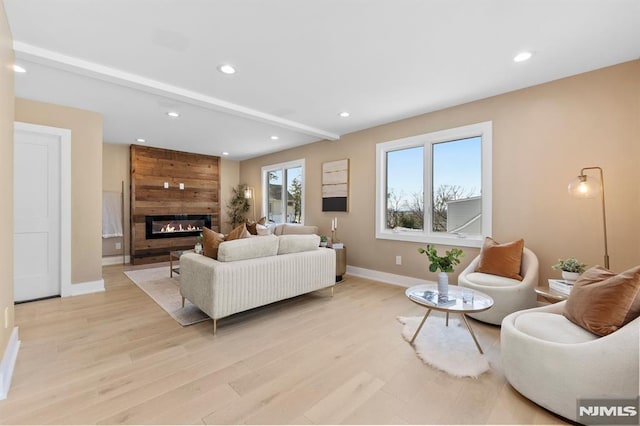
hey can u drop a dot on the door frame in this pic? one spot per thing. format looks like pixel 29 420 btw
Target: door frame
pixel 64 137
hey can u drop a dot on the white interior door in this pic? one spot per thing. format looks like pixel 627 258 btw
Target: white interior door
pixel 36 215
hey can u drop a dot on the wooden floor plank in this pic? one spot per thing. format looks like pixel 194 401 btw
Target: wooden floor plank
pixel 116 357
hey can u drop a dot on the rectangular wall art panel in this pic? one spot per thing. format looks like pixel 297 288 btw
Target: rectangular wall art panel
pixel 335 186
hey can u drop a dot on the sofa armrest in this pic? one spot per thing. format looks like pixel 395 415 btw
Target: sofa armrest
pixel 196 279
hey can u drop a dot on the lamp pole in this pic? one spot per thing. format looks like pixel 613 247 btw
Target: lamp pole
pixel 604 214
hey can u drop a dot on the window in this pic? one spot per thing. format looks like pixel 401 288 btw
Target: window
pixel 283 192
pixel 436 187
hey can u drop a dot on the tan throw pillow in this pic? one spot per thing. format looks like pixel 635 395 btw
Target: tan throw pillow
pixel 603 302
pixel 251 228
pixel 501 259
pixel 237 233
pixel 210 242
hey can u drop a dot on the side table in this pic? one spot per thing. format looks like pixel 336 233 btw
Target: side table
pixel 175 255
pixel 550 295
pixel 341 263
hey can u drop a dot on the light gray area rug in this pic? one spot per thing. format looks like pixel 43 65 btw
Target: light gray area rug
pixel 165 291
pixel 450 349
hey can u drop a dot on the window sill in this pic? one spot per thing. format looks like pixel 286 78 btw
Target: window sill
pixel 419 237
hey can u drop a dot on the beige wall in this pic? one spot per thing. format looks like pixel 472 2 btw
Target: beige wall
pixel 6 177
pixel 542 137
pixel 115 170
pixel 86 180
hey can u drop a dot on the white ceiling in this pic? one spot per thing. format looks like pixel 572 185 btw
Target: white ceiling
pixel 299 62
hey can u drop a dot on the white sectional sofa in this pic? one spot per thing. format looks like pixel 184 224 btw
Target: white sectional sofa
pixel 253 272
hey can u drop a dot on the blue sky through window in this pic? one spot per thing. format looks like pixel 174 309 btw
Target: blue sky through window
pixel 454 163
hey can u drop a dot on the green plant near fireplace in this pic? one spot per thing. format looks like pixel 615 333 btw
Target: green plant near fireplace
pixel 238 206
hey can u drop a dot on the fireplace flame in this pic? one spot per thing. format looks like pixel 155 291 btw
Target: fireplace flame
pixel 172 228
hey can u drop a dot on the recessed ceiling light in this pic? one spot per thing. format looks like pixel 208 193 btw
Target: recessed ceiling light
pixel 173 114
pixel 227 69
pixel 141 140
pixel 18 68
pixel 274 138
pixel 225 153
pixel 344 114
pixel 522 56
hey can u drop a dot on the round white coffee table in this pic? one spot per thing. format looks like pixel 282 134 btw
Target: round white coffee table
pixel 459 300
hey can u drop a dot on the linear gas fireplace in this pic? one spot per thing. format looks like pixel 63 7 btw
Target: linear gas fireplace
pixel 173 226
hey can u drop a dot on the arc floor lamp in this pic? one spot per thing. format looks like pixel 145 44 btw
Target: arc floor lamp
pixel 585 186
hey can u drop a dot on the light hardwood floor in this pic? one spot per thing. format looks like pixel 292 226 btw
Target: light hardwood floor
pixel 118 358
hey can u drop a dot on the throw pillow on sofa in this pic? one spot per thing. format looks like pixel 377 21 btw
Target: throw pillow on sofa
pixel 237 233
pixel 252 226
pixel 210 242
pixel 603 302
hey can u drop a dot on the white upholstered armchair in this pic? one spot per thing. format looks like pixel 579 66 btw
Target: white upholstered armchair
pixel 509 295
pixel 554 362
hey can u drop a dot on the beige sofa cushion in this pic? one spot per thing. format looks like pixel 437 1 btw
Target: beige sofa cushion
pixel 552 328
pixel 292 228
pixel 297 243
pixel 248 248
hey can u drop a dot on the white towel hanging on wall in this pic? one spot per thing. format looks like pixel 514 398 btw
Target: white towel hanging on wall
pixel 111 214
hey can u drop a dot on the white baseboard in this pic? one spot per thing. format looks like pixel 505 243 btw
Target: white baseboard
pixel 87 287
pixel 115 260
pixel 385 277
pixel 8 363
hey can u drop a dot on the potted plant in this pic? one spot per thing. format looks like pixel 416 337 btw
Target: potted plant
pixel 571 268
pixel 444 264
pixel 198 246
pixel 238 206
pixel 323 240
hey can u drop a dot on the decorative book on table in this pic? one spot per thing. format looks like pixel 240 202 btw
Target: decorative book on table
pixel 561 286
pixel 434 298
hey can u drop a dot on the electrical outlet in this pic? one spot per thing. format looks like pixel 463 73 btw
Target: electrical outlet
pixel 118 246
pixel 398 260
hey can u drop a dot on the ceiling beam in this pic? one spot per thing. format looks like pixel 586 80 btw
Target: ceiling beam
pixel 75 65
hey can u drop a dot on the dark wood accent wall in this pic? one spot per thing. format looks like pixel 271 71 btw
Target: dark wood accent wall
pixel 150 168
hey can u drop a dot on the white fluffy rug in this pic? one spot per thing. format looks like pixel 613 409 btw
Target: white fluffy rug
pixel 450 349
pixel 165 291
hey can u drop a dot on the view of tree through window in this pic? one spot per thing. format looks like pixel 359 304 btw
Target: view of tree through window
pixel 455 187
pixel 284 194
pixel 405 200
pixel 457 179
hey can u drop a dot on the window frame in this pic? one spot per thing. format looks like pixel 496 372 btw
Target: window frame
pixel 484 130
pixel 265 186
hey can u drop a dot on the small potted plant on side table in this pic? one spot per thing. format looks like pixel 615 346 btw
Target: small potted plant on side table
pixel 571 268
pixel 198 247
pixel 323 240
pixel 443 263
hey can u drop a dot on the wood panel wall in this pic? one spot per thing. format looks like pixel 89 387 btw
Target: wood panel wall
pixel 150 168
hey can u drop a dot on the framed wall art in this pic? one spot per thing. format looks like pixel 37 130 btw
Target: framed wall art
pixel 335 186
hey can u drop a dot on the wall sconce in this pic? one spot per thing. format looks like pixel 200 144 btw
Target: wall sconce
pixel 584 186
pixel 248 195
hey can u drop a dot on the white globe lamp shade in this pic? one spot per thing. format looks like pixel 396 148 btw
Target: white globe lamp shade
pixel 585 186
